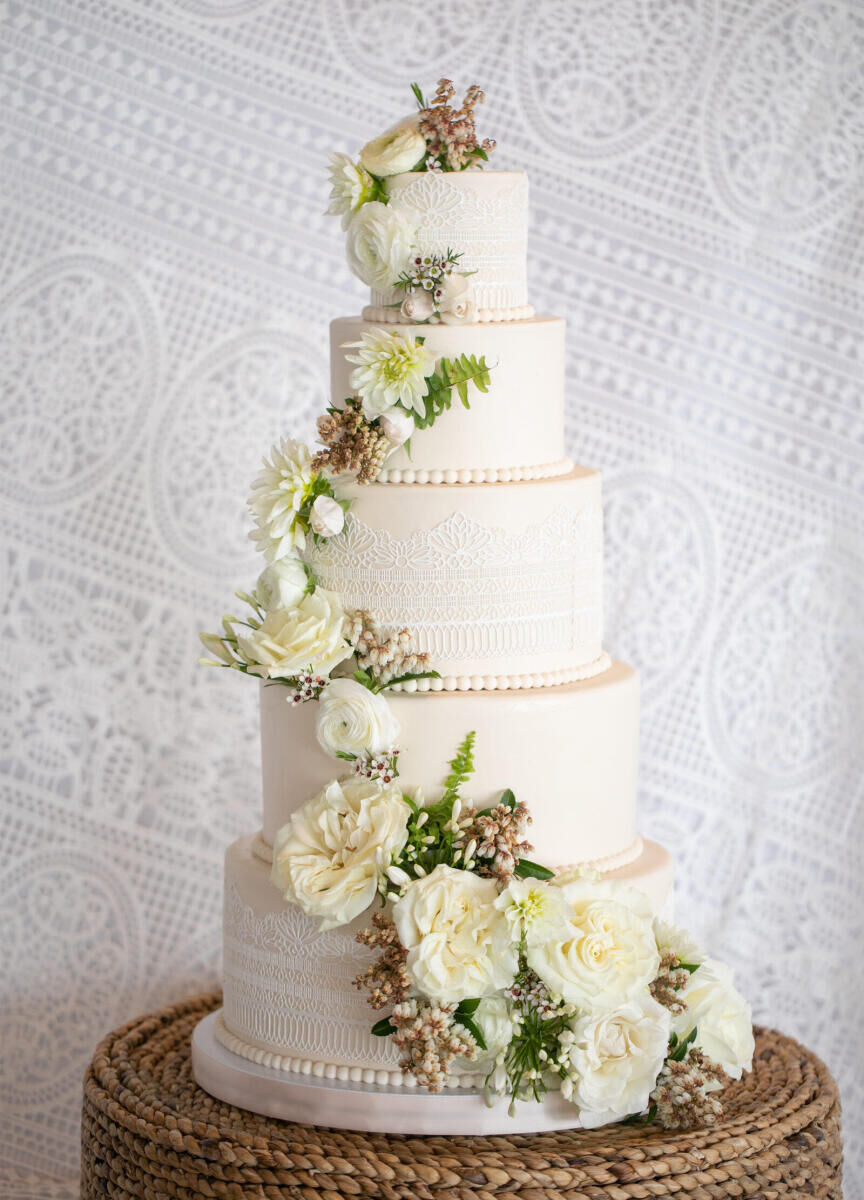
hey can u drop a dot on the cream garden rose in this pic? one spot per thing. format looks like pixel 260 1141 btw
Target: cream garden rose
pixel 329 856
pixel 417 306
pixel 605 954
pixel 378 245
pixel 457 305
pixel 352 720
pixel 458 943
pixel 614 1058
pixel 281 585
pixel 293 640
pixel 326 517
pixel 721 1015
pixel 397 424
pixel 396 150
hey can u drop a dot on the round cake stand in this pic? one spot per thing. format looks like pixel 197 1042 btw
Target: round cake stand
pixel 148 1131
pixel 365 1107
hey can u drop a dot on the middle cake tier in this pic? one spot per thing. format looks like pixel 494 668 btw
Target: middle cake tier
pixel 569 753
pixel 501 584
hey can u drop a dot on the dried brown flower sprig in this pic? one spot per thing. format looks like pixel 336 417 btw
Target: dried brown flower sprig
pixel 670 979
pixel 686 1093
pixel 385 657
pixel 496 840
pixel 430 1039
pixel 352 444
pixel 451 137
pixel 387 980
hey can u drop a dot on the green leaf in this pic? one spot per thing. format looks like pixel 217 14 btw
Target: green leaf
pixel 678 1049
pixel 383 1028
pixel 467 1008
pixel 409 675
pixel 365 678
pixel 508 799
pixel 418 95
pixel 472 1027
pixel 691 967
pixel 346 756
pixel 461 768
pixel 530 870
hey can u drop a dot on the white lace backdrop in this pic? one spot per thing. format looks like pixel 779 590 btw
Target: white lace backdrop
pixel 167 278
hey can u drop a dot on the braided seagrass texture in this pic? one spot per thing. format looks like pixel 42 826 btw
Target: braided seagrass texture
pixel 148 1131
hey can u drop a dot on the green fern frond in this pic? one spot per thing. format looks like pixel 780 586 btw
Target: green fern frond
pixel 461 768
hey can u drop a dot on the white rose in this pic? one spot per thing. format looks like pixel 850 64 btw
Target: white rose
pixel 398 149
pixel 378 245
pixel 606 954
pixel 353 720
pixel 397 425
pixel 281 585
pixel 457 305
pixel 329 856
pixel 614 1060
pixel 417 306
pixel 458 944
pixel 292 640
pixel 492 1017
pixel 326 517
pixel 721 1015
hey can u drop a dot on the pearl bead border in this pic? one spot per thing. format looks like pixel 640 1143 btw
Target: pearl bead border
pixel 476 474
pixel 322 1070
pixel 503 683
pixel 484 316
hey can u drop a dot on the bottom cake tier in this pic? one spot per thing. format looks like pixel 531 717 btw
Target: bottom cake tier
pixel 290 1003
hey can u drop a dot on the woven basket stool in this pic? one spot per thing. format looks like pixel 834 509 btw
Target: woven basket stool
pixel 149 1131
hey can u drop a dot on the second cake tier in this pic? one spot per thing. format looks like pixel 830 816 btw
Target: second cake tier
pixel 501 584
pixel 570 753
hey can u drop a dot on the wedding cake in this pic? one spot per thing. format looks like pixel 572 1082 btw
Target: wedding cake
pixel 448 921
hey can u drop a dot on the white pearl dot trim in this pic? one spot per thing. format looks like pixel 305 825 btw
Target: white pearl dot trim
pixel 475 475
pixel 500 683
pixel 484 316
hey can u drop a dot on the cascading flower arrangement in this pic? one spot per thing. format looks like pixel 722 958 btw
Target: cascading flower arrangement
pixel 492 963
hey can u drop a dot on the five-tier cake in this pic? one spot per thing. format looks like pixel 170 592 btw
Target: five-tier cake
pixel 435 694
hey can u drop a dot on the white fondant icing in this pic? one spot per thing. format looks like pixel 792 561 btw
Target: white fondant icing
pixel 493 581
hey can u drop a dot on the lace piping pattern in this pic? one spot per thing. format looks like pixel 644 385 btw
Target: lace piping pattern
pixel 472 593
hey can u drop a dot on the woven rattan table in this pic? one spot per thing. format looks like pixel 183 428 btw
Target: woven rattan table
pixel 148 1131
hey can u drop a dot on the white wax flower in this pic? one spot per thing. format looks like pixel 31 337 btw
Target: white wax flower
pixel 281 585
pixel 721 1015
pixel 350 187
pixel 457 305
pixel 458 944
pixel 536 909
pixel 398 149
pixel 293 640
pixel 614 1059
pixel 378 244
pixel 326 517
pixel 397 425
pixel 352 720
pixel 330 854
pixel 391 368
pixel 278 492
pixel 417 306
pixel 606 954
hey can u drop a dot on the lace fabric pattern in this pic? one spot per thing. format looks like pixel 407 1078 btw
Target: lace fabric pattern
pixel 166 284
pixel 478 600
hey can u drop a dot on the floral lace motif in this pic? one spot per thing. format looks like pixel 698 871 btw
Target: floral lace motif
pixel 471 592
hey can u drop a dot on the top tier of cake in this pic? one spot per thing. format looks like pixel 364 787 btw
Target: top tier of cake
pixel 483 215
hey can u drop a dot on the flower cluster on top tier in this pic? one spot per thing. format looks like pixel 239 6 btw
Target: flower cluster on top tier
pixel 437 137
pixel 542 981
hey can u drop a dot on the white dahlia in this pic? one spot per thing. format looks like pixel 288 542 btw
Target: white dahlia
pixel 350 187
pixel 391 369
pixel 277 495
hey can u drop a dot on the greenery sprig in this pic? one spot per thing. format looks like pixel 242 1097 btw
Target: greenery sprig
pixel 450 374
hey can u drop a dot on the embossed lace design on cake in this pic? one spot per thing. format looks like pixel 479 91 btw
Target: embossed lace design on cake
pixel 487 226
pixel 468 591
pixel 290 987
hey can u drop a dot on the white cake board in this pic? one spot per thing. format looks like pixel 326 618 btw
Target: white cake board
pixel 362 1106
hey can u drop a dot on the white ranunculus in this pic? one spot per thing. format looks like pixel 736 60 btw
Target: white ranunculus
pixel 459 945
pixel 397 425
pixel 392 367
pixel 398 149
pixel 379 244
pixel 290 641
pixel 326 517
pixel 350 187
pixel 281 585
pixel 721 1015
pixel 278 493
pixel 353 720
pixel 329 856
pixel 457 305
pixel 417 306
pixel 672 940
pixel 615 1058
pixel 536 909
pixel 606 954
